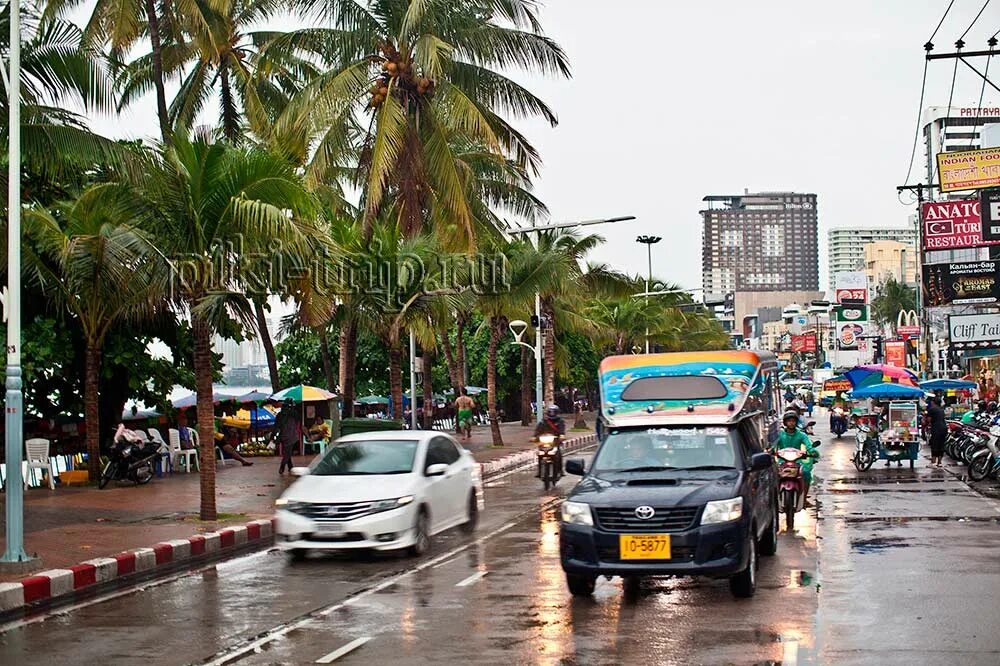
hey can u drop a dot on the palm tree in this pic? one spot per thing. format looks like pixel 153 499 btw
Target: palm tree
pixel 100 268
pixel 423 75
pixel 214 206
pixel 893 297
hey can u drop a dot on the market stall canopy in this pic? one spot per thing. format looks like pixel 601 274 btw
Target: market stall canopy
pixel 139 414
pixel 374 400
pixel 888 391
pixel 255 397
pixel 947 385
pixel 191 400
pixel 303 393
pixel 870 375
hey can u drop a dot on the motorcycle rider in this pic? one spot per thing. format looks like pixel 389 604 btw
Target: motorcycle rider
pixel 792 437
pixel 551 424
pixel 839 403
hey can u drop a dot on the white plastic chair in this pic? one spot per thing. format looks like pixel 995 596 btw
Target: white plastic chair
pixel 166 455
pixel 38 458
pixel 181 457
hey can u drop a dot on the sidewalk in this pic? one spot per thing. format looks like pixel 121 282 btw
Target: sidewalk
pixel 72 524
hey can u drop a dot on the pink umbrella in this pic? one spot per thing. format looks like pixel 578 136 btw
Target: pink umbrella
pixel 867 375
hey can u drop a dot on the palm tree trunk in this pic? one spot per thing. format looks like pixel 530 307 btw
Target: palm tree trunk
pixel 348 361
pixel 427 391
pixel 454 370
pixel 341 356
pixel 396 380
pixel 153 22
pixel 230 120
pixel 268 344
pixel 92 417
pixel 491 381
pixel 526 386
pixel 549 353
pixel 206 414
pixel 460 351
pixel 324 352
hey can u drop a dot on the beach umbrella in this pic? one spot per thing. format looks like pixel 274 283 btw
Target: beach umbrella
pixel 947 385
pixel 303 393
pixel 888 391
pixel 191 400
pixel 870 375
pixel 255 397
pixel 256 417
pixel 373 400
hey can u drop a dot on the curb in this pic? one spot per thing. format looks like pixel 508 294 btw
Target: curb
pixel 47 585
pixel 493 468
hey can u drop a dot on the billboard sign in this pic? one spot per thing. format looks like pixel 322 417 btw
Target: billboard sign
pixel 895 353
pixel 951 225
pixel 907 332
pixel 851 280
pixel 989 205
pixel 852 313
pixel 965 283
pixel 852 295
pixel 848 334
pixel 969 170
pixel 803 343
pixel 974 331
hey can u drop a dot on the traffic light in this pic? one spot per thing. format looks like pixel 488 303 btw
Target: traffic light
pixel 534 321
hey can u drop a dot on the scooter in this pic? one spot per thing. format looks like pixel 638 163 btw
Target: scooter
pixel 131 459
pixel 549 459
pixel 791 484
pixel 986 461
pixel 838 422
pixel 866 450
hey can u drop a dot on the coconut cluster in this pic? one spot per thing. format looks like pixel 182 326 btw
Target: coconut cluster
pixel 407 78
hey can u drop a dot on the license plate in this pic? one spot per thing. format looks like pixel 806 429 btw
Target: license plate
pixel 330 528
pixel 644 546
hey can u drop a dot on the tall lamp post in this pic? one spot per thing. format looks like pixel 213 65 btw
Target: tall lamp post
pixel 649 242
pixel 539 391
pixel 14 556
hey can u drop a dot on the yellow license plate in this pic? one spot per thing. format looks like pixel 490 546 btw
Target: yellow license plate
pixel 644 546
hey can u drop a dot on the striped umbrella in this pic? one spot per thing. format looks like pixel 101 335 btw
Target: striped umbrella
pixel 303 393
pixel 871 375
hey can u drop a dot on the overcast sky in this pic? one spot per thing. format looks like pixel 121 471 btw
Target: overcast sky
pixel 670 101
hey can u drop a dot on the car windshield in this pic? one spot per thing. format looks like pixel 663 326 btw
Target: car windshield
pixel 370 456
pixel 654 449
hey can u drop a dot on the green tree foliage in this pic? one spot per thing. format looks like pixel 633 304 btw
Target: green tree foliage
pixel 893 297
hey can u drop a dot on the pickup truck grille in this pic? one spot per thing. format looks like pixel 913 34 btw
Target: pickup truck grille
pixel 664 519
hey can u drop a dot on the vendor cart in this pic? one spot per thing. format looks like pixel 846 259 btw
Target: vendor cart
pixel 893 439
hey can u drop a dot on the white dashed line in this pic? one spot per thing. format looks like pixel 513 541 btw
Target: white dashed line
pixel 340 652
pixel 472 579
pixel 790 654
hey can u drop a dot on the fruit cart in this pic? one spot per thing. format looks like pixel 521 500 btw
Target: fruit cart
pixel 895 438
pixel 900 439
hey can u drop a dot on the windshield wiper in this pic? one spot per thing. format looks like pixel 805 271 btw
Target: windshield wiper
pixel 646 468
pixel 709 467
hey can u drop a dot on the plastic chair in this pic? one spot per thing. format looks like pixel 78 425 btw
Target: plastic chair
pixel 38 458
pixel 221 457
pixel 181 457
pixel 165 462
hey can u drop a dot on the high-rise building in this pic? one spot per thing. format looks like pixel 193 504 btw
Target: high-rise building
pixel 949 130
pixel 846 246
pixel 763 241
pixel 886 259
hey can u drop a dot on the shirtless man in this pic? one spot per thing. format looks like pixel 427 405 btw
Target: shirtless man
pixel 463 415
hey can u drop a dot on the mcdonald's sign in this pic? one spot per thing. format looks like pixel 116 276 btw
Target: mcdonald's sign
pixel 907 324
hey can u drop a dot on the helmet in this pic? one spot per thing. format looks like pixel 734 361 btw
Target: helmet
pixel 552 409
pixel 992 406
pixel 793 415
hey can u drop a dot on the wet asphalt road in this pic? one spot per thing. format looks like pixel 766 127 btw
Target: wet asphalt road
pixel 905 572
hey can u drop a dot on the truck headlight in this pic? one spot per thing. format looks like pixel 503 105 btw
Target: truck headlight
pixel 576 513
pixel 722 511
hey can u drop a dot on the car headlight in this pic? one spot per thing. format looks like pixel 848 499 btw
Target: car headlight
pixel 387 504
pixel 577 513
pixel 722 511
pixel 288 505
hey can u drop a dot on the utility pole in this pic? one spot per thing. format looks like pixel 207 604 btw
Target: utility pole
pixel 649 242
pixel 14 558
pixel 922 312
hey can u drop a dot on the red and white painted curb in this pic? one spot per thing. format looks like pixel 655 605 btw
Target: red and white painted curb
pixel 522 458
pixel 58 582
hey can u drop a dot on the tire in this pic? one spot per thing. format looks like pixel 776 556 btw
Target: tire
pixel 631 585
pixel 865 460
pixel 744 584
pixel 581 585
pixel 547 474
pixel 980 466
pixel 422 537
pixel 469 526
pixel 788 508
pixel 769 544
pixel 297 554
pixel 109 473
pixel 144 474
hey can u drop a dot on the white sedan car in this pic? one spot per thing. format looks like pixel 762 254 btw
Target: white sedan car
pixel 380 490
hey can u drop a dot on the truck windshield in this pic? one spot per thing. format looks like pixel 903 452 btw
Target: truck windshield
pixel 655 449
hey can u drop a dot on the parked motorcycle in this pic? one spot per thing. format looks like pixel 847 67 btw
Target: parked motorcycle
pixel 550 467
pixel 838 422
pixel 131 459
pixel 866 450
pixel 986 462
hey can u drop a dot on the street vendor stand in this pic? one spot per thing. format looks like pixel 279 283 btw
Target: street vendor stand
pixel 894 439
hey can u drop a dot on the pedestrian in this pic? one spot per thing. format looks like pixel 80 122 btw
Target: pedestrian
pixel 288 433
pixel 810 402
pixel 938 429
pixel 463 415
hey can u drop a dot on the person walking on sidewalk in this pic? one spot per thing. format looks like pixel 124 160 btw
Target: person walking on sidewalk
pixel 463 415
pixel 938 430
pixel 288 433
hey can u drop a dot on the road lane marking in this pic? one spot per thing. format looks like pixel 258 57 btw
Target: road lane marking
pixel 790 654
pixel 472 579
pixel 232 654
pixel 340 652
pixel 445 563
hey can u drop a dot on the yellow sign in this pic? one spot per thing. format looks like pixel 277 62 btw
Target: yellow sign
pixel 969 170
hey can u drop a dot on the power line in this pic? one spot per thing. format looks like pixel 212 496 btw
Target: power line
pixel 981 10
pixel 951 95
pixel 920 110
pixel 979 107
pixel 947 9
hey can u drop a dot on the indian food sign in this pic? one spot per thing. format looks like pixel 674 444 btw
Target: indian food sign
pixel 969 170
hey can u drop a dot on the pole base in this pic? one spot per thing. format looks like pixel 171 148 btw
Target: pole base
pixel 24 566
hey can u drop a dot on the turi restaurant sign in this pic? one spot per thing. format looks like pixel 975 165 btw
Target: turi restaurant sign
pixel 969 170
pixel 953 224
pixel 974 331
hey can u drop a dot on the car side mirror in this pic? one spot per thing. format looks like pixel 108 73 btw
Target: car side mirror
pixel 760 461
pixel 576 467
pixel 300 471
pixel 436 470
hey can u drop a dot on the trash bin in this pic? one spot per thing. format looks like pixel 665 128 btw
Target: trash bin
pixel 355 425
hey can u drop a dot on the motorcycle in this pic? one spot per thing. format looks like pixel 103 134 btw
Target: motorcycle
pixel 986 461
pixel 791 483
pixel 866 450
pixel 549 459
pixel 131 459
pixel 838 422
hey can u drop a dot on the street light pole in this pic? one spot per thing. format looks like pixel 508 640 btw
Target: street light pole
pixel 14 420
pixel 649 242
pixel 413 383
